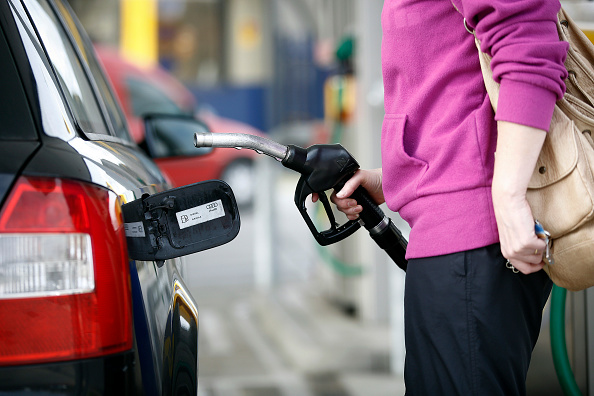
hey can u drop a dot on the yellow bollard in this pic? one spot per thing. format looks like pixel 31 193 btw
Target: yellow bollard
pixel 139 31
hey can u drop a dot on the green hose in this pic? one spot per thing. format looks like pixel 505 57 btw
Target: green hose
pixel 345 269
pixel 558 344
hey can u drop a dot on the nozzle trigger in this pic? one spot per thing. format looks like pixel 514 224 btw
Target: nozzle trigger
pixel 335 233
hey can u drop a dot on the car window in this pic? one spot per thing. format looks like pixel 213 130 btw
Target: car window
pixel 147 99
pixel 85 47
pixel 117 118
pixel 71 75
pixel 55 118
pixel 16 122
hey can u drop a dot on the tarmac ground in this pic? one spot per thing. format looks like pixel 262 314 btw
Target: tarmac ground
pixel 289 342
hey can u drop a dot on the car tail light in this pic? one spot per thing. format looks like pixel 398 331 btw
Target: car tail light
pixel 64 276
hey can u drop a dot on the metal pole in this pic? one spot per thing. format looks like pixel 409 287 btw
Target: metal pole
pixel 264 215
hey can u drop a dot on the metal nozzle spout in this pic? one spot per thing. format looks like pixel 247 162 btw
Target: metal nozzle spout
pixel 203 139
pixel 239 141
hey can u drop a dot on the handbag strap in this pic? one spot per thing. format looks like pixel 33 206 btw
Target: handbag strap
pixel 485 61
pixel 580 58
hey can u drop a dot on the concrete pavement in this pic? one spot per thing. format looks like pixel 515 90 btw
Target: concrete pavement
pixel 290 341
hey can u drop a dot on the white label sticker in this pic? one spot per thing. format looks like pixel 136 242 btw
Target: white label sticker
pixel 200 214
pixel 134 230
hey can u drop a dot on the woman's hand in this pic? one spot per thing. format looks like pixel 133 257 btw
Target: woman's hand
pixel 371 180
pixel 518 147
pixel 519 243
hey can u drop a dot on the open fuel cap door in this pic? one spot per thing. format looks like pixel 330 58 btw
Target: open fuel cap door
pixel 181 221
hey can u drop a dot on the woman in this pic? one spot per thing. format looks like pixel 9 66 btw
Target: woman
pixel 470 322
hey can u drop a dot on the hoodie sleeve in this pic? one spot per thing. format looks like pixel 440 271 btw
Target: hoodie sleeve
pixel 527 55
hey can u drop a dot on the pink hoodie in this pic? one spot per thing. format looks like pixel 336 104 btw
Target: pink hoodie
pixel 439 134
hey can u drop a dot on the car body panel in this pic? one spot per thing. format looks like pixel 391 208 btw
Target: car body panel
pixel 12 155
pixel 112 375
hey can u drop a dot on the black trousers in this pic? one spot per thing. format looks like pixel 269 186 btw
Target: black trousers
pixel 470 324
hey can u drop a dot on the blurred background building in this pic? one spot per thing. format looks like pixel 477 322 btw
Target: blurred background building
pixel 259 61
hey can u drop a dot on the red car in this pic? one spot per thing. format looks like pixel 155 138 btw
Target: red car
pixel 153 90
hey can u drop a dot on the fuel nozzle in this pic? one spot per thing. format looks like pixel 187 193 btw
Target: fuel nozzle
pixel 322 167
pixel 325 165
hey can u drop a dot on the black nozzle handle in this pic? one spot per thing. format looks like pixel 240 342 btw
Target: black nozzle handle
pixel 336 232
pixel 381 228
pixel 390 239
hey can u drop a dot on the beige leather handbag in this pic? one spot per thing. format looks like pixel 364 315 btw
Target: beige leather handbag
pixel 561 191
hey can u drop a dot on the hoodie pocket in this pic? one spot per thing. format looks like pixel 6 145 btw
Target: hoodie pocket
pixel 401 171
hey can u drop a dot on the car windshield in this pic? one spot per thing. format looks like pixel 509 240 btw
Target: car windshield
pixel 147 98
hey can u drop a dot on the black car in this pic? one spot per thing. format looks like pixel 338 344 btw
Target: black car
pixel 79 202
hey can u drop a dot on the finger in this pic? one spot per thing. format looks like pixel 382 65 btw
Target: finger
pixel 333 198
pixel 350 207
pixel 538 255
pixel 353 213
pixel 355 210
pixel 314 197
pixel 350 186
pixel 527 268
pixel 528 260
pixel 353 217
pixel 343 202
pixel 353 207
pixel 529 251
pixel 533 257
pixel 534 253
